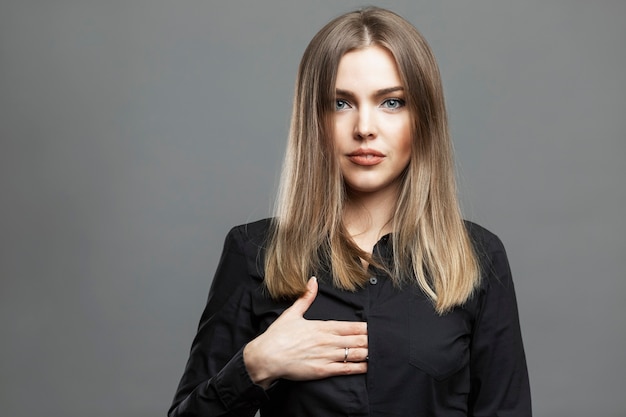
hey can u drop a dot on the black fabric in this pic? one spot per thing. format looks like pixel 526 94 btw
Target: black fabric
pixel 469 362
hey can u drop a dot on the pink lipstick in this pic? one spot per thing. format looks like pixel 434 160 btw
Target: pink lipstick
pixel 366 157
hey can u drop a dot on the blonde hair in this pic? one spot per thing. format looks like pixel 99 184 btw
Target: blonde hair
pixel 430 241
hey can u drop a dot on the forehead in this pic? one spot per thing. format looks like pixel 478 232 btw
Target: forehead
pixel 369 67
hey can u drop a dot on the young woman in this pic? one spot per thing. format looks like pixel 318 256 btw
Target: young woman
pixel 410 311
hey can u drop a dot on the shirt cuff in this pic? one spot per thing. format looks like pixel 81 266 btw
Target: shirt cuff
pixel 235 388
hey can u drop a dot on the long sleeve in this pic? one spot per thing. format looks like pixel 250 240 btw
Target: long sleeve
pixel 215 381
pixel 469 362
pixel 499 376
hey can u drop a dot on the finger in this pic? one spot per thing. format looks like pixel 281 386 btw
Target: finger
pixel 350 341
pixel 302 304
pixel 353 355
pixel 345 328
pixel 348 368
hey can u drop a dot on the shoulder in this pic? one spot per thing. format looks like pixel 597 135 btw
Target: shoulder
pixel 485 242
pixel 255 232
pixel 491 254
pixel 250 240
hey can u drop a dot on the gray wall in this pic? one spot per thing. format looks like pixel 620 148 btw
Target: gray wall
pixel 134 134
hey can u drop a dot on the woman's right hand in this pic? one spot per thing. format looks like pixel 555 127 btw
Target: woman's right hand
pixel 299 349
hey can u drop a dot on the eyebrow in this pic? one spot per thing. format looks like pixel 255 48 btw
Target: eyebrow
pixel 378 93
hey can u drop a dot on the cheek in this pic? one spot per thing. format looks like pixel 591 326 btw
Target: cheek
pixel 405 140
pixel 342 134
pixel 405 159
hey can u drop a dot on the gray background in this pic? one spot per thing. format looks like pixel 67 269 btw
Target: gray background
pixel 134 134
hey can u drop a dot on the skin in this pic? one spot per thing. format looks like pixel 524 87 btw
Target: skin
pixel 370 119
pixel 298 349
pixel 371 116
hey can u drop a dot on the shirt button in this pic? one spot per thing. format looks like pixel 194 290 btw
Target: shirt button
pixel 373 280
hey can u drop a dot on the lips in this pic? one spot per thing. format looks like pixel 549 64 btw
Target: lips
pixel 366 157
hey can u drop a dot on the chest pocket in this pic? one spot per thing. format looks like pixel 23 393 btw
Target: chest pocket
pixel 438 345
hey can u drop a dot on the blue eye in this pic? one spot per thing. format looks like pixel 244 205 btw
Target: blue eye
pixel 341 104
pixel 393 103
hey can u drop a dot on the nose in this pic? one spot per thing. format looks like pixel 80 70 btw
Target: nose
pixel 365 125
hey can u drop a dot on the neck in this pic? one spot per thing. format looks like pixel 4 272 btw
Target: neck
pixel 368 216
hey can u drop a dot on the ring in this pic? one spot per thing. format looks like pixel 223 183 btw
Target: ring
pixel 345 355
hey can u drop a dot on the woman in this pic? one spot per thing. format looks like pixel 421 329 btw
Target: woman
pixel 411 311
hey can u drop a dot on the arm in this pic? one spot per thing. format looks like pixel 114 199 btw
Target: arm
pixel 499 377
pixel 215 381
pixel 228 348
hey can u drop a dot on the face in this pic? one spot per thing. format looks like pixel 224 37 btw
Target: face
pixel 372 125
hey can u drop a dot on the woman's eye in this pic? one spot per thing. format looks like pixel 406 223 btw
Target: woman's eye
pixel 393 103
pixel 341 105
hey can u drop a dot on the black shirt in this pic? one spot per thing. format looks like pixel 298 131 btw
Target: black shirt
pixel 469 362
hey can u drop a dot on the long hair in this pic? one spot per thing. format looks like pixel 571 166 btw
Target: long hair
pixel 431 245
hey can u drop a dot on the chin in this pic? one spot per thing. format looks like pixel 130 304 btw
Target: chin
pixel 365 188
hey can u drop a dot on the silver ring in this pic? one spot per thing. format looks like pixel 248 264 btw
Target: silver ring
pixel 345 355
